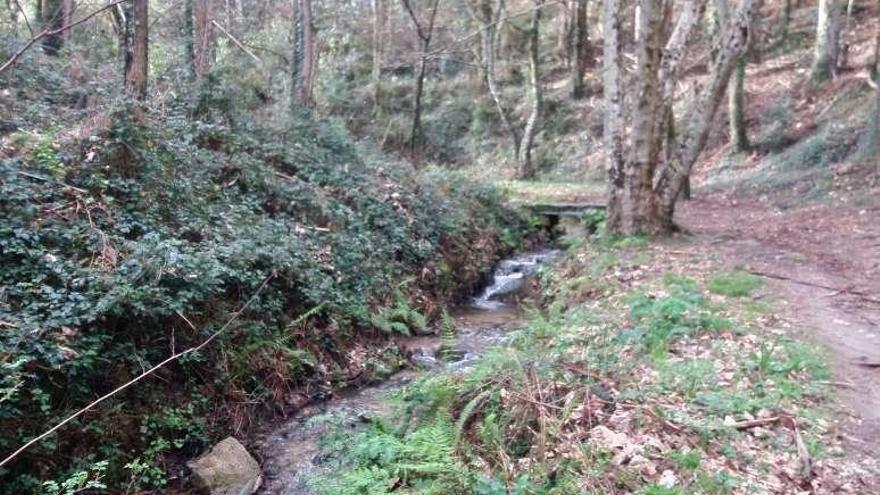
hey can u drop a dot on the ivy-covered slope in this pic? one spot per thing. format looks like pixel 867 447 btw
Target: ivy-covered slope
pixel 122 248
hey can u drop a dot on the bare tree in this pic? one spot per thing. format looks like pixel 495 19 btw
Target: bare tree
pixel 524 153
pixel 136 49
pixel 424 31
pixel 644 188
pixel 826 47
pixel 489 16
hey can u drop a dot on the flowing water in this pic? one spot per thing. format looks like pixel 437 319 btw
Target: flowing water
pixel 291 453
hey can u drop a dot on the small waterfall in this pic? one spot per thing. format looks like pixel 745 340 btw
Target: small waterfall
pixel 509 277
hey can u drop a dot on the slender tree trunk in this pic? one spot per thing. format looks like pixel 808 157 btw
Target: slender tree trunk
pixel 415 137
pixel 377 8
pixel 304 56
pixel 425 33
pixel 581 50
pixel 825 51
pixel 524 155
pixel 189 39
pixel 489 18
pixel 136 67
pixel 702 112
pixel 204 36
pixel 739 139
pixel 875 67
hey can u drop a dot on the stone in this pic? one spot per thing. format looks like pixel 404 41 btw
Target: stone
pixel 227 469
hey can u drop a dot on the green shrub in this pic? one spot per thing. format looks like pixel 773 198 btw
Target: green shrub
pixel 104 266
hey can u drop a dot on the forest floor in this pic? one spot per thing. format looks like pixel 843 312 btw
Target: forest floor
pixel 824 261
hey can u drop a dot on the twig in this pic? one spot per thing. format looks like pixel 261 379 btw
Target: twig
pixel 838 384
pixel 51 32
pixel 23 14
pixel 237 43
pixel 752 423
pixel 47 179
pixel 143 375
pixel 860 294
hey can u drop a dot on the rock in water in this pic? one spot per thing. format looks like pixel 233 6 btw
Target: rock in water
pixel 227 469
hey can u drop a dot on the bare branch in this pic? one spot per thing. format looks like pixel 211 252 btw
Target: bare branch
pixel 51 32
pixel 237 43
pixel 23 14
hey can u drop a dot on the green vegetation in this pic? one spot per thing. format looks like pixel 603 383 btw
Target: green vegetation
pixel 117 251
pixel 735 284
pixel 591 398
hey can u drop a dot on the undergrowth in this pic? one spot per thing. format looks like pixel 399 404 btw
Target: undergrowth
pixel 606 391
pixel 122 248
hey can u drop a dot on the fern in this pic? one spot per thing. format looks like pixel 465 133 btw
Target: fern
pixel 468 412
pixel 447 337
pixel 399 317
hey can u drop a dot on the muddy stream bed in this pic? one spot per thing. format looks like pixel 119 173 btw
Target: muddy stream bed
pixel 291 453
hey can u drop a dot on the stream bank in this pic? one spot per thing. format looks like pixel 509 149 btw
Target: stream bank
pixel 291 451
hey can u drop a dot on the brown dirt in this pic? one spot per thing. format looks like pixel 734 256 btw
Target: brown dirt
pixel 824 260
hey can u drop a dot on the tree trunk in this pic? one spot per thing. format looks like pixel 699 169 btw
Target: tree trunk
pixel 676 173
pixel 304 55
pixel 739 139
pixel 825 51
pixel 136 48
pixel 415 136
pixel 204 37
pixel 489 17
pixel 642 194
pixel 52 16
pixel 524 154
pixel 875 67
pixel 425 33
pixel 784 22
pixel 377 8
pixel 581 50
pixel 189 39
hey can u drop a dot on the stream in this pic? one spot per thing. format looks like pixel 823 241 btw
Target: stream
pixel 291 453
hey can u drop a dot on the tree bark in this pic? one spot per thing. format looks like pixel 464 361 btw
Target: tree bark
pixel 524 154
pixel 204 36
pixel 739 139
pixel 136 64
pixel 643 193
pixel 825 50
pixel 676 173
pixel 304 56
pixel 581 50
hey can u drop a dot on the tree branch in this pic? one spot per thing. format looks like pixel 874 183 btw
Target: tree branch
pixel 51 32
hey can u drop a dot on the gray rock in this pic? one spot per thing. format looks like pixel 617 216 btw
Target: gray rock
pixel 227 469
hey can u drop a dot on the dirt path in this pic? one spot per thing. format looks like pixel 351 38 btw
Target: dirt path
pixel 825 261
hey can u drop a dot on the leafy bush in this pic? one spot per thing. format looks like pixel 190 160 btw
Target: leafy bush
pixel 120 249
